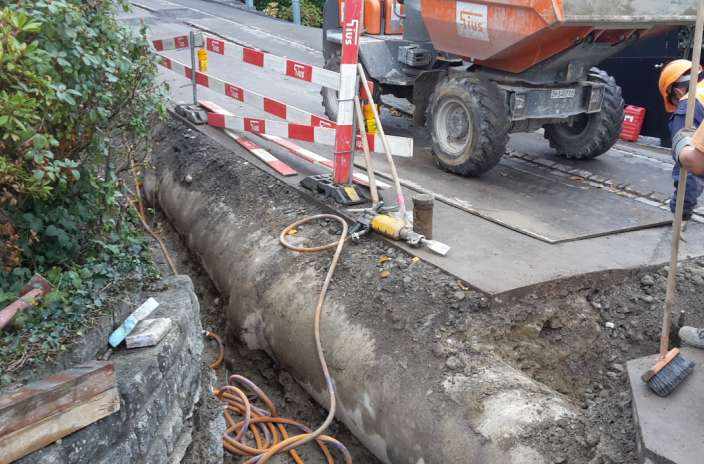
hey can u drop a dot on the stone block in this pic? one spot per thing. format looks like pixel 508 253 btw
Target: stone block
pixel 671 429
pixel 149 332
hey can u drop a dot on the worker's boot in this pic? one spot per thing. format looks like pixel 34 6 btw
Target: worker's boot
pixel 683 229
pixel 692 336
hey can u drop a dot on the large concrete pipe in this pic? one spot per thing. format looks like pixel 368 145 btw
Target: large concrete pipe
pixel 409 386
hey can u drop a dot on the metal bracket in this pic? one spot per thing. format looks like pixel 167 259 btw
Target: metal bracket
pixel 342 194
pixel 198 40
pixel 193 113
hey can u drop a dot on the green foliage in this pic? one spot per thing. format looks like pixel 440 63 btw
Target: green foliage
pixel 70 75
pixel 82 243
pixel 117 261
pixel 311 11
pixel 78 94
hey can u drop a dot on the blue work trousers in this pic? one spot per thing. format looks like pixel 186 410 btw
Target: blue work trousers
pixel 693 189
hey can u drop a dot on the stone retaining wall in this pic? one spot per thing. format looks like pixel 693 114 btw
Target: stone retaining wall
pixel 158 386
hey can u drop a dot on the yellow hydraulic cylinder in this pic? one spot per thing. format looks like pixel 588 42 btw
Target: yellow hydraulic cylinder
pixel 369 118
pixel 202 60
pixel 388 226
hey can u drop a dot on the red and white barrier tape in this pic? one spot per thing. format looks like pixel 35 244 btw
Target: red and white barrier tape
pixel 248 97
pixel 351 29
pixel 400 146
pixel 174 43
pixel 277 64
pixel 273 162
pixel 297 150
pixel 306 126
pixel 304 133
pixel 315 158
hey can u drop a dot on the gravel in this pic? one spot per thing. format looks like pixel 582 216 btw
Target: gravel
pixel 556 334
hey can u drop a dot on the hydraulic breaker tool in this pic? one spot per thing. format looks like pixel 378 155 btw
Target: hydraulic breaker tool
pixel 395 229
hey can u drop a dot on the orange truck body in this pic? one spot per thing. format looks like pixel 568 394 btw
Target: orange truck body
pixel 514 35
pixel 533 61
pixel 379 17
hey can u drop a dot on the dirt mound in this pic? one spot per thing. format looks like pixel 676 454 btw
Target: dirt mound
pixel 572 336
pixel 575 336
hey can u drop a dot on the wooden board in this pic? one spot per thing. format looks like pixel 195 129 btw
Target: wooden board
pixel 55 394
pixel 48 430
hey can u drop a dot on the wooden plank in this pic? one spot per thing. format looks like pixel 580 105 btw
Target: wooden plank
pixel 45 432
pixel 54 394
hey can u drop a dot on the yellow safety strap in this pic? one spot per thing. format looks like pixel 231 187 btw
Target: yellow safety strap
pixel 700 93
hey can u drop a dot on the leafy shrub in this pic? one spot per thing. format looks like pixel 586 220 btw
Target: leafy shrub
pixel 77 97
pixel 311 11
pixel 115 259
pixel 71 78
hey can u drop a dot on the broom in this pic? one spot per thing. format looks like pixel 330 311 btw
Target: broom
pixel 672 368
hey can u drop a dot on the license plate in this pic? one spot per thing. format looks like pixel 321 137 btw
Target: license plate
pixel 562 93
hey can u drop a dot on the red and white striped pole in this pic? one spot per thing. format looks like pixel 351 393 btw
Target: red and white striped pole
pixel 344 135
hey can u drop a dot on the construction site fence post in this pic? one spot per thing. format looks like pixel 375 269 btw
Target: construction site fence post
pixel 194 83
pixel 344 133
pixel 296 7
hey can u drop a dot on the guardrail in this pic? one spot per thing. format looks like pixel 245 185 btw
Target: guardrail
pixel 297 124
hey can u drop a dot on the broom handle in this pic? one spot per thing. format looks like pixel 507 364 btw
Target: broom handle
pixel 681 186
pixel 367 154
pixel 387 151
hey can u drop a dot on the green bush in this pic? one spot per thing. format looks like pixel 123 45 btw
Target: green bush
pixel 78 93
pixel 311 11
pixel 71 79
pixel 71 74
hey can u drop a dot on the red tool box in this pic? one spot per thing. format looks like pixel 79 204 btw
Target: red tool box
pixel 632 123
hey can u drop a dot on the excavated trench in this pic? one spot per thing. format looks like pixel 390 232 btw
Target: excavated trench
pixel 426 369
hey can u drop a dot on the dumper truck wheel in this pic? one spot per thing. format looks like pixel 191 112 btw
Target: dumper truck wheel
pixel 591 135
pixel 332 63
pixel 330 95
pixel 468 121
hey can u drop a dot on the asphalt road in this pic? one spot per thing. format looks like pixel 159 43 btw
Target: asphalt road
pixel 534 218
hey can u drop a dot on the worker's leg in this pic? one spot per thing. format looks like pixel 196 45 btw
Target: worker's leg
pixel 693 189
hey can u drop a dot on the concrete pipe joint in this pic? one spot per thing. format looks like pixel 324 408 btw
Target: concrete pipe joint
pixel 405 403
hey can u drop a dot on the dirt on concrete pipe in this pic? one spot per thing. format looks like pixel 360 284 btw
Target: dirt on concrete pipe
pixel 426 369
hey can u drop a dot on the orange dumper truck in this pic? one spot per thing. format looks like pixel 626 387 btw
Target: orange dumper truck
pixel 478 70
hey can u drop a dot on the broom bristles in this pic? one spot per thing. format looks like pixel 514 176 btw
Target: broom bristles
pixel 671 376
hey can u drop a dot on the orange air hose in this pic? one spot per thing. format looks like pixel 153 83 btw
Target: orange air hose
pixel 268 430
pixel 221 349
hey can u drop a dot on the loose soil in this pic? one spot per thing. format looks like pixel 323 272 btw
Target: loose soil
pixel 577 340
pixel 574 336
pixel 290 399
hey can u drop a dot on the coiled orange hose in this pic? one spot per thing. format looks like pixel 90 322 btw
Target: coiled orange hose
pixel 269 430
pixel 221 349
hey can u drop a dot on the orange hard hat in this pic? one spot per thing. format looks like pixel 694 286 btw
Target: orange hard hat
pixel 674 72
